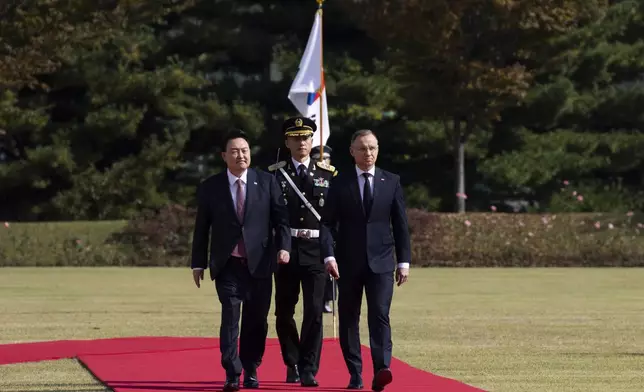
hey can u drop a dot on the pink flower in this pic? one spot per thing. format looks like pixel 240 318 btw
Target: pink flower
pixel 597 225
pixel 461 195
pixel 493 208
pixel 580 198
pixel 468 223
pixel 629 213
pixel 6 224
pixel 566 183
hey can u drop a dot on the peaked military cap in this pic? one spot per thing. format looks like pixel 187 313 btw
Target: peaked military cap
pixel 299 126
pixel 316 150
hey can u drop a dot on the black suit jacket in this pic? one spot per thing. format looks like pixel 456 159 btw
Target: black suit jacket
pixel 217 223
pixel 359 239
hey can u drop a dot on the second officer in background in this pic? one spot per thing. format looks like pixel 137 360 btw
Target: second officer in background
pixel 300 178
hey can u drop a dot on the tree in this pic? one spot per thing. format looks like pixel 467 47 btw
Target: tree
pixel 37 35
pixel 463 62
pixel 99 142
pixel 582 120
pixel 133 120
pixel 251 50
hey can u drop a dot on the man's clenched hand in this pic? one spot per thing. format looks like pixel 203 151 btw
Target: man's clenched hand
pixel 283 257
pixel 197 275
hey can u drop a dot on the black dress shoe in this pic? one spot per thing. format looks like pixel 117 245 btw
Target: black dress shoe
pixel 250 380
pixel 382 378
pixel 308 380
pixel 292 375
pixel 355 382
pixel 231 384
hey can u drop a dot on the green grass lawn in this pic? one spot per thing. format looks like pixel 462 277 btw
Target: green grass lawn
pixel 498 329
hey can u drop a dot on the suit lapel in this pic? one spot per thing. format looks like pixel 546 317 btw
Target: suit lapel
pixel 227 195
pixel 312 167
pixel 290 171
pixel 378 182
pixel 355 192
pixel 251 192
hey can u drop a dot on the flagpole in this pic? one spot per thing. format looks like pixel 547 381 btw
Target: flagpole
pixel 320 3
pixel 322 84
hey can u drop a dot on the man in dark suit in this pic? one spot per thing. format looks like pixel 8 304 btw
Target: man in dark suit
pixel 238 210
pixel 330 291
pixel 305 183
pixel 367 207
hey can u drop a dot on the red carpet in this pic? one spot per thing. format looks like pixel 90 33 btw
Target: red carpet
pixel 192 365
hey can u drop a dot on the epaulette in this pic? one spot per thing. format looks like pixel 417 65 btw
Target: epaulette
pixel 326 166
pixel 277 165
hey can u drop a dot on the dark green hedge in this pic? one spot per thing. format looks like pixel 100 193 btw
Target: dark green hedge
pixel 446 240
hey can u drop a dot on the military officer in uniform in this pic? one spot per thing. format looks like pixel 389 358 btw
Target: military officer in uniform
pixel 330 291
pixel 304 183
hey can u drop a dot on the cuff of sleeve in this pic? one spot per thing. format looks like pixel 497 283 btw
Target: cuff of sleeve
pixel 403 265
pixel 327 259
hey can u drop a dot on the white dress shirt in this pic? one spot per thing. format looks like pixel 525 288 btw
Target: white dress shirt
pixel 232 183
pixel 297 164
pixel 361 180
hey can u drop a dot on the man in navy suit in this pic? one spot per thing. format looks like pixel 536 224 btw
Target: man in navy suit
pixel 367 207
pixel 238 210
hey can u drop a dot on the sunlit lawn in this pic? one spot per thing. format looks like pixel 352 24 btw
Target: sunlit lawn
pixel 498 329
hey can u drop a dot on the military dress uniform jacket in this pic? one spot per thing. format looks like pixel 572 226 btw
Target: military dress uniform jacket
pixel 304 225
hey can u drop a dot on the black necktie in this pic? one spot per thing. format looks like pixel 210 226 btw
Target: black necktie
pixel 367 198
pixel 302 172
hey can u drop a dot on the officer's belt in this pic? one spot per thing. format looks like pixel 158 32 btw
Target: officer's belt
pixel 306 202
pixel 305 233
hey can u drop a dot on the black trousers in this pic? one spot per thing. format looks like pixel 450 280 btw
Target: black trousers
pixel 379 290
pixel 235 286
pixel 303 350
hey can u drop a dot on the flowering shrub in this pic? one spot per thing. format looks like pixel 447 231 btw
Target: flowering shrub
pixel 509 240
pixel 595 196
pixel 53 244
pixel 158 237
pixel 493 239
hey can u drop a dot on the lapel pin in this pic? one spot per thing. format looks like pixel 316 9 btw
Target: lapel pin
pixel 254 183
pixel 382 179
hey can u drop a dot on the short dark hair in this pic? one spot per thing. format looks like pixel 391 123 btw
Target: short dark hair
pixel 360 133
pixel 233 134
